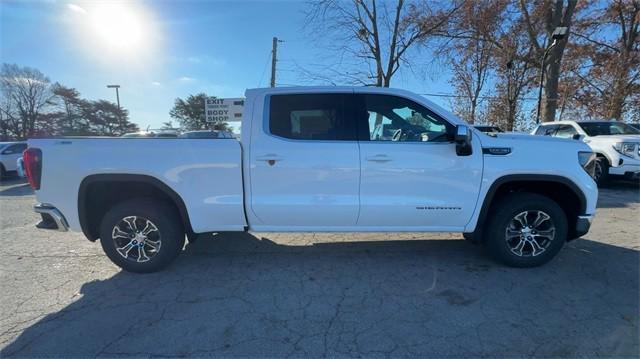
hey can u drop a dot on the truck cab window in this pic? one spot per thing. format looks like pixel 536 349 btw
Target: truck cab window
pixel 392 118
pixel 565 131
pixel 549 130
pixel 310 117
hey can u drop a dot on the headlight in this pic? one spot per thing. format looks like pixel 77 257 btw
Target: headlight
pixel 625 148
pixel 587 161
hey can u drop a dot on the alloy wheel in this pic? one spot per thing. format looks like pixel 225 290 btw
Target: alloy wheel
pixel 530 233
pixel 136 238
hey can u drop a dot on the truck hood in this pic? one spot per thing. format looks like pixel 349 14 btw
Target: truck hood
pixel 521 140
pixel 518 137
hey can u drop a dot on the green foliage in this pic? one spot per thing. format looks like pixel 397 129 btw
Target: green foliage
pixel 191 116
pixel 106 119
pixel 71 120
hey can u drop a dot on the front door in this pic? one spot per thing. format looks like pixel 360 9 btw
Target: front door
pixel 305 164
pixel 411 177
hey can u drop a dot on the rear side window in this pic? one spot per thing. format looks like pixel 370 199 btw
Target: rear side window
pixel 311 117
pixel 546 130
pixel 566 131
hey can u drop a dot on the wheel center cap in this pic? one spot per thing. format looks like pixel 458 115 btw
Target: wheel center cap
pixel 139 238
pixel 526 231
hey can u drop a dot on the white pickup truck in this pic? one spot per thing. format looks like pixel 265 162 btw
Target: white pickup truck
pixel 616 145
pixel 337 159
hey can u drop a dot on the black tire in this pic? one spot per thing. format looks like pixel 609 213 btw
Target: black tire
pixel 473 238
pixel 502 219
pixel 3 173
pixel 167 231
pixel 601 171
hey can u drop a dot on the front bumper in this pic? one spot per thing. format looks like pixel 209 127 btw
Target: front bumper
pixel 583 223
pixel 52 218
pixel 629 169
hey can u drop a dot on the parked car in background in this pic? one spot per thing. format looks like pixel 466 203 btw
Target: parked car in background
pixel 20 167
pixel 206 134
pixel 616 144
pixel 9 154
pixel 489 129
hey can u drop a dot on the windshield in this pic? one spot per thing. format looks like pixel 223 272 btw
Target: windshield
pixel 608 128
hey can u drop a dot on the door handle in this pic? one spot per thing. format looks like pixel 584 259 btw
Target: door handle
pixel 378 158
pixel 271 159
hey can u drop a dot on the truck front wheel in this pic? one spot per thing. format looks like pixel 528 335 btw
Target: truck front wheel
pixel 142 235
pixel 526 230
pixel 601 171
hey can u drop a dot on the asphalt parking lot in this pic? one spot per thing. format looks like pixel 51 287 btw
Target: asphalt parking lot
pixel 320 295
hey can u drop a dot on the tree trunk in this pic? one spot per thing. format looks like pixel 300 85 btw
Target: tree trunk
pixel 616 102
pixel 557 16
pixel 472 115
pixel 551 91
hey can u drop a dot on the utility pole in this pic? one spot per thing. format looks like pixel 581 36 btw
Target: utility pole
pixel 117 94
pixel 118 101
pixel 274 59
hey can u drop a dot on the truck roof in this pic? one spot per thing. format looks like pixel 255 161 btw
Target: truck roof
pixel 565 122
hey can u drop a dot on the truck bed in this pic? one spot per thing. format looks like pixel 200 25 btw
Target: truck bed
pixel 205 173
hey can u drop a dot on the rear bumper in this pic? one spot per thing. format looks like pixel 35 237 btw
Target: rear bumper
pixel 583 223
pixel 52 218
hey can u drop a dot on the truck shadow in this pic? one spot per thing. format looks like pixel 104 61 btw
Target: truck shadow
pixel 238 295
pixel 14 186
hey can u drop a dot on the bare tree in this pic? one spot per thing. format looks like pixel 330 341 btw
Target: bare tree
pixel 372 39
pixel 471 57
pixel 533 23
pixel 606 68
pixel 9 120
pixel 470 73
pixel 26 92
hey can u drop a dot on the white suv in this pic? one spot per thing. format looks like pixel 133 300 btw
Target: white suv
pixel 9 154
pixel 616 144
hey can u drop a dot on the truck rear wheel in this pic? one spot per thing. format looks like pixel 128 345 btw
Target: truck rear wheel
pixel 142 235
pixel 525 230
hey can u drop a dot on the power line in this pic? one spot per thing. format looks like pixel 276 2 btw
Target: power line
pixel 264 70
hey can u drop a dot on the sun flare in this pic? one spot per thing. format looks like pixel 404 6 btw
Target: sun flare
pixel 113 31
pixel 118 26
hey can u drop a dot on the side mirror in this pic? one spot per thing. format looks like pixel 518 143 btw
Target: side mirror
pixel 577 137
pixel 463 140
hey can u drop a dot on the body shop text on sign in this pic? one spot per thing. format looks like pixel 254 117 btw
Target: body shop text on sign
pixel 224 109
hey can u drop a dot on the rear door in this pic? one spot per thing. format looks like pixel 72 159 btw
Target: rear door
pixel 305 164
pixel 412 178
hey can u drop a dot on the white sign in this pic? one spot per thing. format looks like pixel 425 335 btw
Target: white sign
pixel 223 109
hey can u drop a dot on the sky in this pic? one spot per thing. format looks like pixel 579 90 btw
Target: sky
pixel 164 49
